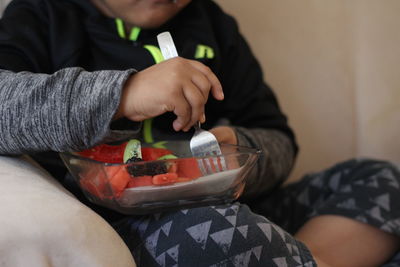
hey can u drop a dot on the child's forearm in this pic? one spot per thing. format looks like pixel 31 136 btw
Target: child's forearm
pixel 276 161
pixel 68 110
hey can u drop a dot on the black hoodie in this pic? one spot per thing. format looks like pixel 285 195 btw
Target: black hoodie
pixel 44 36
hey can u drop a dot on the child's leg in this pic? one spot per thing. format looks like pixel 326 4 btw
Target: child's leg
pixel 228 235
pixel 348 215
pixel 340 241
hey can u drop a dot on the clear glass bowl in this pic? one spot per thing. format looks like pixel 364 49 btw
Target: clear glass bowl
pixel 198 181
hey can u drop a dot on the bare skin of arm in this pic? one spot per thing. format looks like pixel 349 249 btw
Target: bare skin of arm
pixel 225 135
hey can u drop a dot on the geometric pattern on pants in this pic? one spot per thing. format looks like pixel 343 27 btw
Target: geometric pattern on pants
pixel 225 235
pixel 233 235
pixel 361 189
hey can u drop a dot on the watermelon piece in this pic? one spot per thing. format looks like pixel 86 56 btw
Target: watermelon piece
pixel 90 187
pixel 188 168
pixel 94 182
pixel 140 181
pixel 165 178
pixel 119 180
pixel 112 170
pixel 105 153
pixel 118 177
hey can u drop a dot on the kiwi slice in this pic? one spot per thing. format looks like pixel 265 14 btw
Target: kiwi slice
pixel 132 150
pixel 169 156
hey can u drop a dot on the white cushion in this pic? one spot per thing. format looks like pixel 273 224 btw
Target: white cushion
pixel 42 224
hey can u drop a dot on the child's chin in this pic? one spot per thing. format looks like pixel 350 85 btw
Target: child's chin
pixel 154 22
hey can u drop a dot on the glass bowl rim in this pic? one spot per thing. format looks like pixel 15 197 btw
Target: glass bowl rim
pixel 247 150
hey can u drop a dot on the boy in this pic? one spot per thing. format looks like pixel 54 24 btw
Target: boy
pixel 74 68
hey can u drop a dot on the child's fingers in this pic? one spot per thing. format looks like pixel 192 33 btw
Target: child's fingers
pixel 216 87
pixel 203 84
pixel 196 101
pixel 183 112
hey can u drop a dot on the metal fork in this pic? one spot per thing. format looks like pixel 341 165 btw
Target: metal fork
pixel 203 143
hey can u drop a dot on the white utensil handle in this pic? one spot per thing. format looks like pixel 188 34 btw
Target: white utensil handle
pixel 167 45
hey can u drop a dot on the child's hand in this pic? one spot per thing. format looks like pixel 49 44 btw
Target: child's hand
pixel 178 85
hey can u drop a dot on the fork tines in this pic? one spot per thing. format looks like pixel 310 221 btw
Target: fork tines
pixel 212 163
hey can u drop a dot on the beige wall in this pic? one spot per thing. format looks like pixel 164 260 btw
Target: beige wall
pixel 335 68
pixel 378 77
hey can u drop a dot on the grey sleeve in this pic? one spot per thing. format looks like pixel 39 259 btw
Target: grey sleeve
pixel 68 110
pixel 275 163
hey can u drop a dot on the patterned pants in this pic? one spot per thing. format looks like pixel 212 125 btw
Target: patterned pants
pixel 236 235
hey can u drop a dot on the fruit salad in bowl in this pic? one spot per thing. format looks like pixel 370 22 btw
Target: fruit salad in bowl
pixel 136 178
